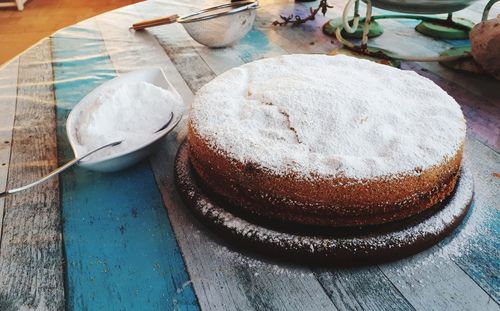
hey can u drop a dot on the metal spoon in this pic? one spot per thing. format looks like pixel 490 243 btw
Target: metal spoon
pixel 61 169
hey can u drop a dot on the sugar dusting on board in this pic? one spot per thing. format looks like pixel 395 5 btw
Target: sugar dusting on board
pixel 132 112
pixel 329 116
pixel 461 244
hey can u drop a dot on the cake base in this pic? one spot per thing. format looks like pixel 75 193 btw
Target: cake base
pixel 339 246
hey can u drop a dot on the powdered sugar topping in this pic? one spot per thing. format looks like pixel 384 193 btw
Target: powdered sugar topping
pixel 318 115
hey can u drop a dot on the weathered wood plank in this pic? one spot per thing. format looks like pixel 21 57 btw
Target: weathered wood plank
pixel 222 279
pixel 481 257
pixel 121 251
pixel 31 256
pixel 431 283
pixel 8 91
pixel 140 50
pixel 378 292
pixel 134 50
pixel 193 69
pixel 361 289
pixel 482 114
pixel 460 272
pixel 307 38
pixel 388 290
pixel 219 60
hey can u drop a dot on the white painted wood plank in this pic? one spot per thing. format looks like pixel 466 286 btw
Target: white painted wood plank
pixel 221 282
pixel 8 91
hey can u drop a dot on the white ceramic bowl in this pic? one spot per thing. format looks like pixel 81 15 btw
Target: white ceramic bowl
pixel 121 160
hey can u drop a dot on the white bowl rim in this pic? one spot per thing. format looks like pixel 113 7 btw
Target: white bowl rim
pixel 72 117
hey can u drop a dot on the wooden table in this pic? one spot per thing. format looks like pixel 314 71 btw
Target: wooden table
pixel 125 241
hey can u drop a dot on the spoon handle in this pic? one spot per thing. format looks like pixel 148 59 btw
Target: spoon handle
pixel 155 22
pixel 76 160
pixel 58 170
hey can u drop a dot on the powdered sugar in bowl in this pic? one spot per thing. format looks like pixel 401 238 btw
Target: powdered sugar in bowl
pixel 132 108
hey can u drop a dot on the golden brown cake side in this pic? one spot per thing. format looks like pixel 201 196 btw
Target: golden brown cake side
pixel 323 201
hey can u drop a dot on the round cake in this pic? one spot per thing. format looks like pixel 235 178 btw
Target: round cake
pixel 326 140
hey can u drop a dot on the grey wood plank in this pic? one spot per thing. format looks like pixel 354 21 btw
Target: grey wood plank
pixel 185 58
pixel 365 288
pixel 136 50
pixel 430 284
pixel 481 259
pixel 336 281
pixel 31 256
pixel 432 279
pixel 222 279
pixel 453 272
pixel 481 85
pixel 8 89
pixel 481 112
pixel 180 50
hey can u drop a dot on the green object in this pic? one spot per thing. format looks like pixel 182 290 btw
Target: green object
pixel 457 28
pixel 467 64
pixel 377 55
pixel 330 27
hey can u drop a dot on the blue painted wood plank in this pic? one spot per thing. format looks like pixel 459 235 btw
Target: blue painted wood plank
pixel 121 251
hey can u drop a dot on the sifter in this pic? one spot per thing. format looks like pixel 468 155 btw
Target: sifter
pixel 217 26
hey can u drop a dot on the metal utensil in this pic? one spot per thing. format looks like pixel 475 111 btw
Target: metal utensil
pixel 76 160
pixel 217 26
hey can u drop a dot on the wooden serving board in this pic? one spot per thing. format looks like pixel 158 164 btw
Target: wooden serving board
pixel 333 246
pixel 126 241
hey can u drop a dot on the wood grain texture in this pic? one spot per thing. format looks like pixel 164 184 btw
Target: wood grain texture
pixel 8 91
pixel 361 289
pixel 185 58
pixel 123 254
pixel 222 279
pixel 121 251
pixel 481 112
pixel 31 256
pixel 437 284
pixel 386 291
pixel 136 50
pixel 481 260
pixel 329 276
